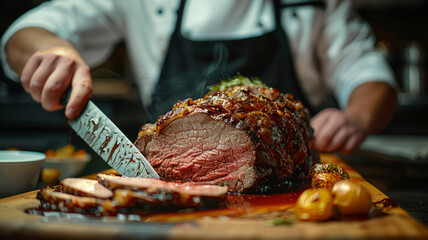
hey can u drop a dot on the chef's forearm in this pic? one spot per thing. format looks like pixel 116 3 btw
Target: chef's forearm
pixel 372 106
pixel 27 41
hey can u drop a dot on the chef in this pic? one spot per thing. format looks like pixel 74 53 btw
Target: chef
pixel 312 49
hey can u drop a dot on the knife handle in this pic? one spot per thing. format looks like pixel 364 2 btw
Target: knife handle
pixel 64 99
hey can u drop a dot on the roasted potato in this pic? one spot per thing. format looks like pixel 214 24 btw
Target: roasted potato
pixel 351 198
pixel 314 205
pixel 325 175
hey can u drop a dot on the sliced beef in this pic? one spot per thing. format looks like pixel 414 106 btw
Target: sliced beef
pixel 160 194
pixel 110 195
pixel 114 182
pixel 63 202
pixel 85 187
pixel 128 201
pixel 248 138
pixel 151 185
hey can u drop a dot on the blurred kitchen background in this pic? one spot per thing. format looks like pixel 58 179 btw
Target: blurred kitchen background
pixel 395 161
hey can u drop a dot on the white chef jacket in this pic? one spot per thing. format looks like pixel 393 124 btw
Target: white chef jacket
pixel 333 49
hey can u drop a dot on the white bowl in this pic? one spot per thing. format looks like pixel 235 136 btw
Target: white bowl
pixel 19 171
pixel 68 166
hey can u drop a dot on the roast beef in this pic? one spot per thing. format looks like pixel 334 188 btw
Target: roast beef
pixel 252 139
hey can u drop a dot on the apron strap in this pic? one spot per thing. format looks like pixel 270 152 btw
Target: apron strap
pixel 303 3
pixel 277 11
pixel 178 23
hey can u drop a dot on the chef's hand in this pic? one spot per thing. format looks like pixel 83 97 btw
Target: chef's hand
pixel 49 72
pixel 334 131
pixel 370 108
pixel 48 65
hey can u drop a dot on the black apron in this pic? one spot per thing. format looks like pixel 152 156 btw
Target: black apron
pixel 191 66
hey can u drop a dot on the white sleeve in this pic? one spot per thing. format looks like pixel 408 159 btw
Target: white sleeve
pixel 94 27
pixel 347 52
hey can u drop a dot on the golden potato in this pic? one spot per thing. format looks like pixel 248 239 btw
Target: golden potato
pixel 351 198
pixel 314 205
pixel 325 175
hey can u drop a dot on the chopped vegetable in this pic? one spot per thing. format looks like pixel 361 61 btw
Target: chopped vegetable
pixel 281 221
pixel 66 151
pixel 50 153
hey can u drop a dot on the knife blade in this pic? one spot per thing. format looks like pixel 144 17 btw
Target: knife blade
pixel 109 142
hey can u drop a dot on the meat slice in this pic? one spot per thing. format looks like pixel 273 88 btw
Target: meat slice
pixel 85 187
pixel 58 201
pixel 151 185
pixel 114 182
pixel 162 194
pixel 128 201
pixel 251 139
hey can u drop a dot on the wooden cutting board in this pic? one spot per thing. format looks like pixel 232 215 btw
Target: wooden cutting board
pixel 393 222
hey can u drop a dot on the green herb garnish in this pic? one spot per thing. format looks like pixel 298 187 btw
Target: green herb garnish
pixel 281 221
pixel 236 80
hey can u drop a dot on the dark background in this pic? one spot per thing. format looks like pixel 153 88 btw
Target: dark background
pixel 399 25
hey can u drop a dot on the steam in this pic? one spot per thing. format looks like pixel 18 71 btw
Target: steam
pixel 191 79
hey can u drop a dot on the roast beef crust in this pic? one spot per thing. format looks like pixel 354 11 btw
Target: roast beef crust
pixel 277 125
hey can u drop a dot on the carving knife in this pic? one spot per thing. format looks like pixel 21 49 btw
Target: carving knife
pixel 106 139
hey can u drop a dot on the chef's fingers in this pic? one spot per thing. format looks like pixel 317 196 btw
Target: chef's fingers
pixel 81 91
pixel 316 123
pixel 40 76
pixel 30 67
pixel 353 142
pixel 339 140
pixel 319 120
pixel 57 83
pixel 328 130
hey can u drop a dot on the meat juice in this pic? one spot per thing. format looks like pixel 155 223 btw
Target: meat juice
pixel 243 206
